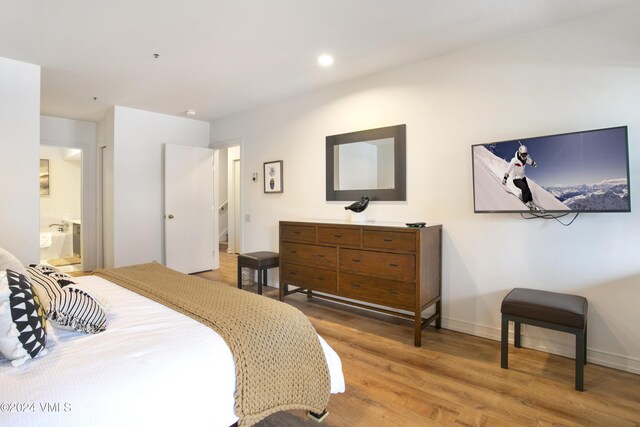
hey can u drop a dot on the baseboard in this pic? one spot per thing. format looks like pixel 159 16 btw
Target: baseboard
pixel 536 342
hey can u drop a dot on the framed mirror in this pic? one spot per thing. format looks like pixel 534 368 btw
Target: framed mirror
pixel 367 163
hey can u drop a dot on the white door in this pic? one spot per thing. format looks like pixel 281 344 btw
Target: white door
pixel 188 208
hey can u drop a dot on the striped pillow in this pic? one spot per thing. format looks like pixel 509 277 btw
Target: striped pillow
pixel 77 310
pixel 63 278
pixel 46 287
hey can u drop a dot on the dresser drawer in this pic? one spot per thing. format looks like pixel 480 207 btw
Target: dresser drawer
pixel 394 240
pixel 298 233
pixel 311 255
pixel 309 277
pixel 375 290
pixel 387 265
pixel 340 236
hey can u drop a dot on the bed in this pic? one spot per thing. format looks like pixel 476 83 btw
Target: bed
pixel 151 366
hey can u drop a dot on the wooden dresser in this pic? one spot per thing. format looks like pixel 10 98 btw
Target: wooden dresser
pixel 393 267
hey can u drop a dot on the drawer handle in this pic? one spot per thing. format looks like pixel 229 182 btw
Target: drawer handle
pixel 293 273
pixel 294 252
pixel 355 285
pixel 320 278
pixel 393 265
pixel 320 255
pixel 297 232
pixel 393 292
pixel 337 235
pixel 356 260
pixel 388 240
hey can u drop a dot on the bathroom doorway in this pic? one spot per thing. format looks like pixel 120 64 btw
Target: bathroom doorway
pixel 61 207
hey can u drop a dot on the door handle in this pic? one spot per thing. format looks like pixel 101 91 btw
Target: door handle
pixel 170 216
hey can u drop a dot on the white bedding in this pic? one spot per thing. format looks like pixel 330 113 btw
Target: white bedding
pixel 152 366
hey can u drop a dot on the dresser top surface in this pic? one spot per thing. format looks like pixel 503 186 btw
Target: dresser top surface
pixel 367 224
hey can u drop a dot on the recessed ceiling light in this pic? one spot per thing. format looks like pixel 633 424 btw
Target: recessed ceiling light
pixel 325 60
pixel 191 112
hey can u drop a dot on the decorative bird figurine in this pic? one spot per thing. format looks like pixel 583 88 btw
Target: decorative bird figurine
pixel 358 206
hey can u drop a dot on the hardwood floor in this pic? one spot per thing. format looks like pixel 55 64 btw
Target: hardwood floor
pixel 227 272
pixel 453 379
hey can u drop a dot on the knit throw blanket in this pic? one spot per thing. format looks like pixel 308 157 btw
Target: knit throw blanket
pixel 279 361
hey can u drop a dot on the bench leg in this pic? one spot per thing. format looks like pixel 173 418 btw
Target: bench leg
pixel 580 358
pixel 516 334
pixel 585 344
pixel 260 279
pixel 239 277
pixel 504 342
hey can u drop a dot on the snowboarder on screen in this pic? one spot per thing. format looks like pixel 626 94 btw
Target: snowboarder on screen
pixel 516 168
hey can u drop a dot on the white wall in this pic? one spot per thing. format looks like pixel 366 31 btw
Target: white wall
pixel 134 232
pixel 105 209
pixel 55 131
pixel 575 76
pixel 19 158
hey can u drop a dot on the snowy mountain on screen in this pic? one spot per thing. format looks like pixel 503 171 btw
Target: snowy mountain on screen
pixel 609 195
pixel 492 196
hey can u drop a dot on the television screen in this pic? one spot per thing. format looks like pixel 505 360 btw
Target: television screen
pixel 573 172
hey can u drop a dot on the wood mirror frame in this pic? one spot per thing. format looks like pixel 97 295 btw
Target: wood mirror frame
pixel 399 190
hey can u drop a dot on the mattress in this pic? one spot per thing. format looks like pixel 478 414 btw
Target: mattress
pixel 152 366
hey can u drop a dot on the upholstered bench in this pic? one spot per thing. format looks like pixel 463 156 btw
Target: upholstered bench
pixel 552 310
pixel 261 261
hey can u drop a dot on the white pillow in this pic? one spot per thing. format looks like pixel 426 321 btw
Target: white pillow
pixel 22 324
pixel 10 262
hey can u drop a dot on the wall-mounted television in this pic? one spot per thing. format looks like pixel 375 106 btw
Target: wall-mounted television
pixel 585 171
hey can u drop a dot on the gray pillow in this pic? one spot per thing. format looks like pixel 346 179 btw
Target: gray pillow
pixel 10 262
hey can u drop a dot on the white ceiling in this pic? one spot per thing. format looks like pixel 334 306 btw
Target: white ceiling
pixel 221 57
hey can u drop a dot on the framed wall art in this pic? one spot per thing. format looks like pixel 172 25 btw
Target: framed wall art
pixel 273 177
pixel 44 177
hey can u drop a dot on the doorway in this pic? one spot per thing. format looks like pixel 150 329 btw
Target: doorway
pixel 228 196
pixel 61 208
